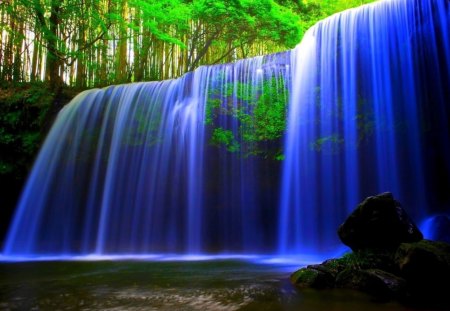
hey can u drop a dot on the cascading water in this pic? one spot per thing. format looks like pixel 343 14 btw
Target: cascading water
pixel 370 88
pixel 131 169
pixel 101 182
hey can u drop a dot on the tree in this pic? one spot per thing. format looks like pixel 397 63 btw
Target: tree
pixel 86 43
pixel 229 25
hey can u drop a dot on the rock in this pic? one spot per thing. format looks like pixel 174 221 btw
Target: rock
pixel 371 259
pixel 379 222
pixel 426 267
pixel 390 259
pixel 379 283
pixel 314 277
pixel 334 266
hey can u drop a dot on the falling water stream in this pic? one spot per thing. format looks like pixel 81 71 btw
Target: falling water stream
pixel 134 170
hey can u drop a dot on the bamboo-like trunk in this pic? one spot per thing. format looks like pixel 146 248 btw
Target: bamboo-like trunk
pixel 34 59
pixel 137 67
pixel 121 61
pixel 17 66
pixel 80 80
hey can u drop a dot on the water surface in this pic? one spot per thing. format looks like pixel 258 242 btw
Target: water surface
pixel 167 285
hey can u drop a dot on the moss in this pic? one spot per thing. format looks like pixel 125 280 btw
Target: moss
pixel 369 259
pixel 304 276
pixel 313 276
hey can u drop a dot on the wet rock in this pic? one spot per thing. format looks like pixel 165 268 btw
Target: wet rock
pixel 426 267
pixel 379 222
pixel 371 259
pixel 313 276
pixel 379 283
pixel 334 266
pixel 390 259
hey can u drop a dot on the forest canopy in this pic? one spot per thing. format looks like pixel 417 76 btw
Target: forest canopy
pixel 93 43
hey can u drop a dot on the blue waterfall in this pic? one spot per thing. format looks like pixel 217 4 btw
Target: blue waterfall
pixel 368 113
pixel 168 167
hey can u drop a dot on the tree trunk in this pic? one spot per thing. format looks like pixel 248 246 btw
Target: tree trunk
pixel 8 60
pixel 80 80
pixel 137 67
pixel 53 63
pixel 34 60
pixel 121 61
pixel 146 43
pixel 17 66
pixel 2 22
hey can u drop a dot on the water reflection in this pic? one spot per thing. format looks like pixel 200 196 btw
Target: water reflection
pixel 170 285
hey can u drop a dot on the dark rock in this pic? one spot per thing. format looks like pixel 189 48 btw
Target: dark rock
pixel 390 258
pixel 379 222
pixel 319 267
pixel 426 267
pixel 334 266
pixel 371 259
pixel 313 277
pixel 379 283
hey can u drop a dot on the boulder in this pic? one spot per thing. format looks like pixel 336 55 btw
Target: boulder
pixel 425 265
pixel 314 277
pixel 379 222
pixel 379 283
pixel 390 258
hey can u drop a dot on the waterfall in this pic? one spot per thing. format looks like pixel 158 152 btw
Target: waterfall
pixel 198 164
pixel 130 169
pixel 370 96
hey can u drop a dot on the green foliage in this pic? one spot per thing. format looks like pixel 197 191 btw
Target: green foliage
pixel 258 112
pixel 101 42
pixel 270 111
pixel 22 114
pixel 226 138
pixel 212 106
pixel 156 15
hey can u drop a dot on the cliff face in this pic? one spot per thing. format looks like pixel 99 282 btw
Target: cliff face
pixel 26 113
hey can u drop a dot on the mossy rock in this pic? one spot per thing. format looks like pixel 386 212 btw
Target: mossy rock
pixel 426 267
pixel 334 266
pixel 381 284
pixel 370 259
pixel 312 277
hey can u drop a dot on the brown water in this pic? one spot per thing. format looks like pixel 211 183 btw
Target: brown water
pixel 178 285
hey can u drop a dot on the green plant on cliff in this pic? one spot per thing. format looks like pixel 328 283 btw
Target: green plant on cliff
pixel 249 118
pixel 22 115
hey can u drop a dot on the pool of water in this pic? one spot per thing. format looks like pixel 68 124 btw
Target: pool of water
pixel 167 285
